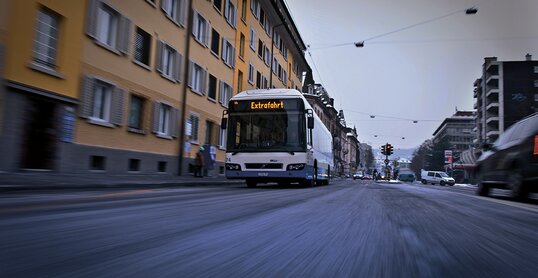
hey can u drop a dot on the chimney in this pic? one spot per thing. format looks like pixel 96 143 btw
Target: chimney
pixel 528 57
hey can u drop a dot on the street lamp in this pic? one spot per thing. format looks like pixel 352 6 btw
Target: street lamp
pixel 272 56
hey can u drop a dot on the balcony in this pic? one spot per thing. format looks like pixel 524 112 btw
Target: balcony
pixel 491 120
pixel 493 91
pixel 493 106
pixel 475 105
pixel 493 68
pixel 493 80
pixel 493 133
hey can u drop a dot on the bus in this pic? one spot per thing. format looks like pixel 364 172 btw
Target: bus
pixel 273 135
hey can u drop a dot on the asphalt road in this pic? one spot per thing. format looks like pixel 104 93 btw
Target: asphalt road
pixel 347 229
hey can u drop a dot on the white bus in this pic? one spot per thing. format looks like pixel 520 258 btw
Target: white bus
pixel 274 136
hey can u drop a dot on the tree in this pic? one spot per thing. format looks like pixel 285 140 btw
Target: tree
pixel 421 157
pixel 369 158
pixel 437 158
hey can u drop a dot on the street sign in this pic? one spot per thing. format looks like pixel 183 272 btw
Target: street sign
pixel 387 161
pixel 448 156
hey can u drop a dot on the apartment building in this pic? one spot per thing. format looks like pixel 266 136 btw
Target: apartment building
pixel 112 86
pixel 506 92
pixel 458 131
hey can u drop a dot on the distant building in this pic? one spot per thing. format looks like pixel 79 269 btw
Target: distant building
pixel 457 130
pixel 506 93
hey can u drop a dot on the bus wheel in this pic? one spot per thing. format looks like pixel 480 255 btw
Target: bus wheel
pixel 307 183
pixel 251 183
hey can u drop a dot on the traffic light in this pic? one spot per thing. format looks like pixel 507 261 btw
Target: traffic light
pixel 389 149
pixel 384 150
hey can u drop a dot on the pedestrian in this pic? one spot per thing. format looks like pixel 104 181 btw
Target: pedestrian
pixel 199 163
pixel 375 174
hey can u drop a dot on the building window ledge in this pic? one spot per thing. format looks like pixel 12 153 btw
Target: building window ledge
pixel 136 130
pixel 100 122
pixel 169 78
pixel 44 69
pixel 107 47
pixel 142 65
pixel 164 136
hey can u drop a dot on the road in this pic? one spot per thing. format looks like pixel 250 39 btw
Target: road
pixel 347 229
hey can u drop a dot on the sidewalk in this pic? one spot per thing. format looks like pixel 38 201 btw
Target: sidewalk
pixel 47 181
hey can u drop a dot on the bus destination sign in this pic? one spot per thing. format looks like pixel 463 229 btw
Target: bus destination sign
pixel 266 105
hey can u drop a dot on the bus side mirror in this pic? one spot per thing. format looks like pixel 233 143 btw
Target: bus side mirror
pixel 310 118
pixel 224 121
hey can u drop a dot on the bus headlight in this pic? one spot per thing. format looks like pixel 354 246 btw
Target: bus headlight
pixel 293 167
pixel 233 167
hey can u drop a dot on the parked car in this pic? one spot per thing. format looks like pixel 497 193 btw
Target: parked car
pixel 367 177
pixel 357 176
pixel 410 177
pixel 512 161
pixel 436 177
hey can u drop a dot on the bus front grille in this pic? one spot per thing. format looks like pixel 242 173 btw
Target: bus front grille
pixel 263 165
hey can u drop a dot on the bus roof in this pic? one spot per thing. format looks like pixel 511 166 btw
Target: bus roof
pixel 268 93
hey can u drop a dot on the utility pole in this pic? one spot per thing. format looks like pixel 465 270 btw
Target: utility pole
pixel 184 92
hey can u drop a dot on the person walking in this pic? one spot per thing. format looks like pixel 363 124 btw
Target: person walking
pixel 375 174
pixel 199 163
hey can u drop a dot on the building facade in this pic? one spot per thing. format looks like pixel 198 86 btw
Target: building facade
pixel 111 86
pixel 506 92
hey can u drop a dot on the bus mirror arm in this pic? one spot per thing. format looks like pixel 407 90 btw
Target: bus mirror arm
pixel 224 121
pixel 310 118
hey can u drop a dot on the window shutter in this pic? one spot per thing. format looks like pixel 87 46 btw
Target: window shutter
pixel 91 18
pixel 159 56
pixel 183 14
pixel 207 34
pixel 224 50
pixel 124 35
pixel 155 120
pixel 179 12
pixel 232 59
pixel 177 66
pixel 191 70
pixel 204 82
pixel 163 4
pixel 235 16
pixel 117 106
pixel 194 25
pixel 174 122
pixel 226 14
pixel 86 97
pixel 221 92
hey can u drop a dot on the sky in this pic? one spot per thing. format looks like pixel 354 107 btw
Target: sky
pixel 422 73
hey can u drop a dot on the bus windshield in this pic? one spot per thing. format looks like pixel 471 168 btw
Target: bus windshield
pixel 274 131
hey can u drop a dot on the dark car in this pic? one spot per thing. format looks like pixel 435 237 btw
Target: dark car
pixel 512 161
pixel 406 177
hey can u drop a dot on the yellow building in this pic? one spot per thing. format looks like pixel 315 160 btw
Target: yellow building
pixel 111 86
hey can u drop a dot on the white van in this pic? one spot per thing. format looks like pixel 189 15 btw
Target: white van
pixel 436 177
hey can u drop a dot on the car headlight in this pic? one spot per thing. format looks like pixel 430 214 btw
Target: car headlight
pixel 233 167
pixel 294 167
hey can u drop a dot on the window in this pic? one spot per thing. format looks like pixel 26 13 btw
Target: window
pixel 535 96
pixel 200 29
pixel 102 95
pixel 260 48
pixel 284 77
pixel 195 121
pixel 536 83
pixel 285 52
pixel 242 45
pixel 101 102
pixel 258 80
pixel 215 42
pixel 265 82
pixel 108 27
pixel 212 90
pixel 535 69
pixel 239 81
pixel 46 40
pixel 168 61
pixel 175 10
pixel 244 10
pixel 218 5
pixel 230 13
pixel 161 166
pixel 210 133
pixel 134 165
pixel 142 46
pixel 222 138
pixel 228 53
pixel 197 78
pixel 164 120
pixel 136 110
pixel 267 56
pixel 275 65
pixel 225 93
pixel 250 73
pixel 252 42
pixel 97 163
pixel 255 8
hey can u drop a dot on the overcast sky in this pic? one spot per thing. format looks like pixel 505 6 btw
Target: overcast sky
pixel 422 73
